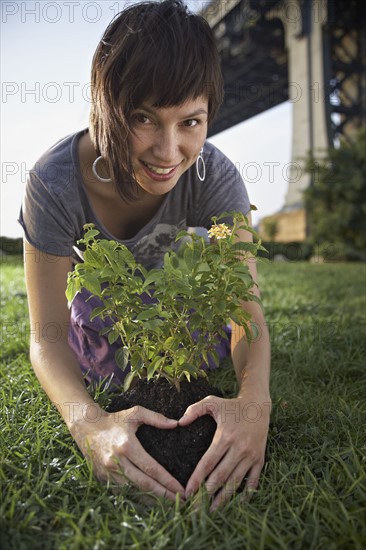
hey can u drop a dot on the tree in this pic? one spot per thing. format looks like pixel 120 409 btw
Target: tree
pixel 336 202
pixel 271 229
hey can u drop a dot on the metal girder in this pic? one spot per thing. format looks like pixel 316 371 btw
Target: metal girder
pixel 345 55
pixel 254 60
pixel 251 42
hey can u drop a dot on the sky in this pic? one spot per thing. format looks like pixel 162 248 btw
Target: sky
pixel 46 53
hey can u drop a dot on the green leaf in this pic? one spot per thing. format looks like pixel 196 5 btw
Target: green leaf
pixel 73 287
pixel 174 260
pixel 181 356
pixel 89 235
pixel 191 256
pixel 137 362
pixel 97 312
pixel 150 371
pixel 107 273
pixel 147 314
pixel 153 324
pixel 123 255
pixel 105 331
pixel 112 336
pixel 221 305
pixel 127 381
pixel 153 276
pixel 182 234
pixel 192 369
pixel 181 287
pixel 195 319
pixel 121 356
pixel 203 266
pixel 215 357
pixel 91 283
pixel 92 258
pixel 171 343
pixel 254 298
pixel 205 356
pixel 167 262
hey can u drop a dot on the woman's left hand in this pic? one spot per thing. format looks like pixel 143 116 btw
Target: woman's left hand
pixel 237 449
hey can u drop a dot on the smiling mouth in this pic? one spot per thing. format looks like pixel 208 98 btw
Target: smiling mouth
pixel 159 171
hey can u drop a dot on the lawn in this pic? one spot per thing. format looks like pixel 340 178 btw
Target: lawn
pixel 313 488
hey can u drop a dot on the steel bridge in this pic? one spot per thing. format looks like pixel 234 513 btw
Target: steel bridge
pixel 310 52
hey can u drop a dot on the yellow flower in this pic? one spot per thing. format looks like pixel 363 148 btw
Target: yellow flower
pixel 220 231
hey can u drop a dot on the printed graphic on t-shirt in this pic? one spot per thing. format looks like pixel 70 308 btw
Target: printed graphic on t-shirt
pixel 150 249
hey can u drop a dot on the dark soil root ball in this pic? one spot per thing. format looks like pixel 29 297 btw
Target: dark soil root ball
pixel 178 450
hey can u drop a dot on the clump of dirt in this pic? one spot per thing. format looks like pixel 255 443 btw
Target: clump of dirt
pixel 178 450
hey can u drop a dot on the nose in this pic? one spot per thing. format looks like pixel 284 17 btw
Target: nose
pixel 166 146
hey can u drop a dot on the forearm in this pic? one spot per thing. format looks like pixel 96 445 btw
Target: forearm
pixel 60 376
pixel 252 360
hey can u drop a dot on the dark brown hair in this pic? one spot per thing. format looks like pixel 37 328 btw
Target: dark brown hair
pixel 155 50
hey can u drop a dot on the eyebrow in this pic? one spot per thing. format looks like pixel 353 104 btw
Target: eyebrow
pixel 200 111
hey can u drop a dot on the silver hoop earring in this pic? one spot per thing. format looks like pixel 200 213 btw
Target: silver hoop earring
pixel 201 160
pixel 94 168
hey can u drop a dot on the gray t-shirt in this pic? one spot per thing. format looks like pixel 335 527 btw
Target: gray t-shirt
pixel 56 205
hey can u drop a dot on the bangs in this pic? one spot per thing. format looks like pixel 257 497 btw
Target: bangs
pixel 169 56
pixel 177 68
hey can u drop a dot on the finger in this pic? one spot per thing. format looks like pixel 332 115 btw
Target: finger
pixel 118 478
pixel 223 472
pixel 129 473
pixel 137 455
pixel 205 466
pixel 231 486
pixel 125 473
pixel 133 449
pixel 139 415
pixel 105 475
pixel 208 405
pixel 251 483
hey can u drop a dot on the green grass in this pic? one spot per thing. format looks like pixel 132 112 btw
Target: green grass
pixel 313 488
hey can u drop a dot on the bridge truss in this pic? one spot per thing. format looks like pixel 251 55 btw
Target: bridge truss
pixel 251 38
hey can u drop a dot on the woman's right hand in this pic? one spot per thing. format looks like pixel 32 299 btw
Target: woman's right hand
pixel 109 442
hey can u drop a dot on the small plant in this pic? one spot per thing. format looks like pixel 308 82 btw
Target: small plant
pixel 168 319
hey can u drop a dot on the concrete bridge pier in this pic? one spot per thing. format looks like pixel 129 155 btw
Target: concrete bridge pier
pixel 304 42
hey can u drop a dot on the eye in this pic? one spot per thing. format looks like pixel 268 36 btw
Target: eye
pixel 140 118
pixel 190 122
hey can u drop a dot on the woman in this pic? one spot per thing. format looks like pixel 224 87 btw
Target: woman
pixel 141 173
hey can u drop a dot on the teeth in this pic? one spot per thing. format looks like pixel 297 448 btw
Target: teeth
pixel 161 171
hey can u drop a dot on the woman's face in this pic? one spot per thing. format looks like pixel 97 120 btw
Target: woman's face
pixel 165 142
